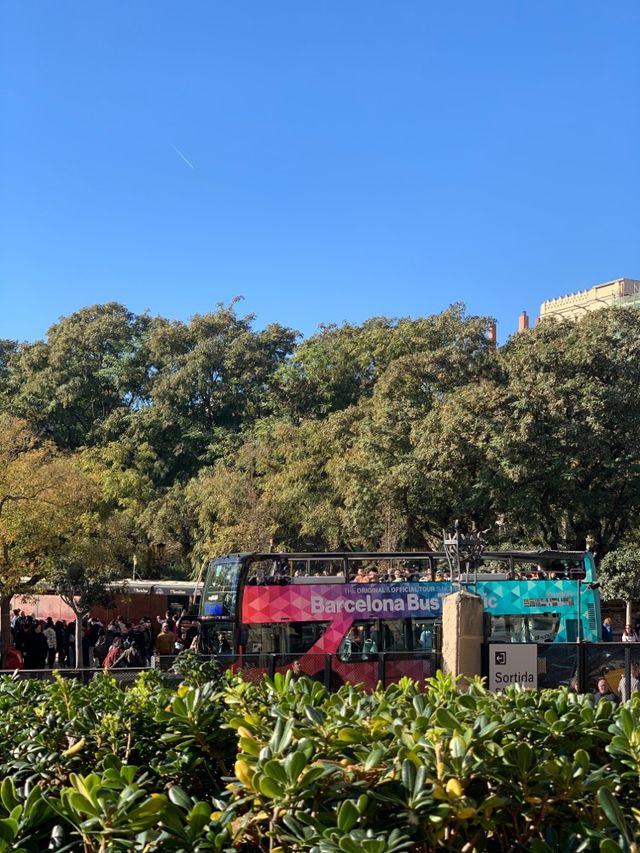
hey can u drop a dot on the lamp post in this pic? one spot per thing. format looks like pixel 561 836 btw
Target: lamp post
pixel 462 548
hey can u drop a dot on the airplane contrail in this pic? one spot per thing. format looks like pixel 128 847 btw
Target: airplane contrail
pixel 181 155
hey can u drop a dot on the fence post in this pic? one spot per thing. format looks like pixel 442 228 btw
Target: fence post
pixel 436 649
pixel 327 672
pixel 582 669
pixel 271 665
pixel 382 667
pixel 627 669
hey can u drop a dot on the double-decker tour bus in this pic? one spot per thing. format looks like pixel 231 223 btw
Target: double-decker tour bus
pixel 344 609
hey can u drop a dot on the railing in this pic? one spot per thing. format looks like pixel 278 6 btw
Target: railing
pixel 331 670
pixel 576 666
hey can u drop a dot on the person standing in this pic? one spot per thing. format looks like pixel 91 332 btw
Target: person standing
pixel 35 647
pixel 629 635
pixel 635 681
pixel 607 630
pixel 52 642
pixel 165 641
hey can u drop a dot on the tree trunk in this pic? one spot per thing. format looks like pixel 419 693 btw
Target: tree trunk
pixel 5 627
pixel 78 640
pixel 71 602
pixel 629 615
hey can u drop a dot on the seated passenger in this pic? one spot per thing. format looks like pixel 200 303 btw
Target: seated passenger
pixel 603 691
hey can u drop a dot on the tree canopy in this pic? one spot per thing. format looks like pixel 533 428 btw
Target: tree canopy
pixel 210 435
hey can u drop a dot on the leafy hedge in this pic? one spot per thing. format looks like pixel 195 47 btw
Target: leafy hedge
pixel 226 765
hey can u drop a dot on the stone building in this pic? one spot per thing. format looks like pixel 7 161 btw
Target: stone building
pixel 621 291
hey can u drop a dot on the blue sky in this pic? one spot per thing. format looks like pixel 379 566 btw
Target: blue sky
pixel 350 159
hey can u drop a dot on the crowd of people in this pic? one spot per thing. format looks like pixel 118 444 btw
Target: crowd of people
pixel 43 643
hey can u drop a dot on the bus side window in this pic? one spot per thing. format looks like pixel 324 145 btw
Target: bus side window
pixel 396 635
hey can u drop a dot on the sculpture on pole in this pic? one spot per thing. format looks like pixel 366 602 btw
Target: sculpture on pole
pixel 463 550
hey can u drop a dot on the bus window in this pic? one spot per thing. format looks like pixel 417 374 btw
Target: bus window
pixel 508 629
pixel 424 636
pixel 543 627
pixel 395 635
pixel 361 643
pixel 283 637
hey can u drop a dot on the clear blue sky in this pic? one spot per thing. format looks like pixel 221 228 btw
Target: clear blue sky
pixel 350 159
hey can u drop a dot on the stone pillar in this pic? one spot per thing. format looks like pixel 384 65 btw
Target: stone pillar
pixel 462 634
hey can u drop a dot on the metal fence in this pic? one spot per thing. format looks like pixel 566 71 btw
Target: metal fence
pixel 331 670
pixel 574 665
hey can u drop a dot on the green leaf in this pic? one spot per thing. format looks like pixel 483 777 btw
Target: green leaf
pixel 348 845
pixel 608 845
pixel 445 719
pixel 8 794
pixel 613 812
pixel 270 788
pixel 294 764
pixel 179 797
pixel 373 758
pixel 524 757
pixel 408 775
pixel 347 816
pixel 314 715
pixel 281 735
pixel 276 771
pixel 350 735
pixel 8 829
pixel 626 720
pixel 199 817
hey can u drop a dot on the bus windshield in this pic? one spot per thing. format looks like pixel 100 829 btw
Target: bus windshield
pixel 219 596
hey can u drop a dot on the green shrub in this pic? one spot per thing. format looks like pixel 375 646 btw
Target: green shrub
pixel 226 765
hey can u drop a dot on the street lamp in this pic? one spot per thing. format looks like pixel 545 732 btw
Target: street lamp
pixel 460 548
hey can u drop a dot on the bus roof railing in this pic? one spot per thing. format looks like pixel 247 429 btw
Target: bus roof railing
pixel 525 556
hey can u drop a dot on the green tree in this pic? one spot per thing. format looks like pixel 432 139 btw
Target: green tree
pixel 52 512
pixel 619 576
pixel 81 589
pixel 92 364
pixel 566 436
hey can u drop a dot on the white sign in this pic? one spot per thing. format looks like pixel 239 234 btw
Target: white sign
pixel 513 663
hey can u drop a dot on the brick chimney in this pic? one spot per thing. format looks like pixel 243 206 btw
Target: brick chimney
pixel 491 334
pixel 523 322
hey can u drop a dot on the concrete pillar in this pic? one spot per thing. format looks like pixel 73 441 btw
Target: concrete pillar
pixel 462 634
